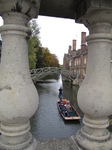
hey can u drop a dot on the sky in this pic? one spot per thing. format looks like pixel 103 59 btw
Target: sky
pixel 57 34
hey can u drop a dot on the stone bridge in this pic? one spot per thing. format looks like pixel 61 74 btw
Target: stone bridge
pixel 18 95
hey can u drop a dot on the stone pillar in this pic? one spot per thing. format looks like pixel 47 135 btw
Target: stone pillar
pixel 18 95
pixel 95 93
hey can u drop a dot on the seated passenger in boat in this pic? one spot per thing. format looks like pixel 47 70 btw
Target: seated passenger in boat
pixel 68 106
pixel 63 109
pixel 64 101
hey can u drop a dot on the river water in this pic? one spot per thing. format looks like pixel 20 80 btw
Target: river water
pixel 47 122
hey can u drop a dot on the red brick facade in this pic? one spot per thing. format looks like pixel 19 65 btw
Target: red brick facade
pixel 77 59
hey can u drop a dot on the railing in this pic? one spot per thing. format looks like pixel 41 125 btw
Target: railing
pixel 68 74
pixel 45 71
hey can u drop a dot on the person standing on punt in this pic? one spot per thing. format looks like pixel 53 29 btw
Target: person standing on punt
pixel 60 94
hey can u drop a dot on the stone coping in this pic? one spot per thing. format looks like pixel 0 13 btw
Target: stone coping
pixel 58 144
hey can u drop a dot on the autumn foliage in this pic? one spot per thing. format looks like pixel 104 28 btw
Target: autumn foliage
pixel 39 56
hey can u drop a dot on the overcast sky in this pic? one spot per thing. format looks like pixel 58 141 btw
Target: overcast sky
pixel 57 34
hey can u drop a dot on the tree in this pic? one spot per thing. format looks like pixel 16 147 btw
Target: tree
pixel 33 43
pixel 55 60
pixel 39 57
pixel 49 60
pixel 46 57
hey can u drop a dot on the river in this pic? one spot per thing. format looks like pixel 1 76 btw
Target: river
pixel 47 122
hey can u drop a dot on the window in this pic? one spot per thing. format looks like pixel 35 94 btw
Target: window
pixel 75 62
pixel 70 63
pixel 79 61
pixel 85 60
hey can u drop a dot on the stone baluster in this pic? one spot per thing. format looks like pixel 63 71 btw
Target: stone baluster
pixel 18 95
pixel 95 93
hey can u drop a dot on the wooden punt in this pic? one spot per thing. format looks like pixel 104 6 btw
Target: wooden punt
pixel 67 115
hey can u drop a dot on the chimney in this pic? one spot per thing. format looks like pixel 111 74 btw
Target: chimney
pixel 83 41
pixel 83 38
pixel 69 49
pixel 74 44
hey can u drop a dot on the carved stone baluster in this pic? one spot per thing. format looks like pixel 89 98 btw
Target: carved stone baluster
pixel 18 95
pixel 95 93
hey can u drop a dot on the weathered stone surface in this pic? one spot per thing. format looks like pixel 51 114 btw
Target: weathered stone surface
pixel 57 144
pixel 27 7
pixel 18 95
pixel 95 93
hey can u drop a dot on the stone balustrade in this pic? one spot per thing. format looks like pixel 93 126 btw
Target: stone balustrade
pixel 18 96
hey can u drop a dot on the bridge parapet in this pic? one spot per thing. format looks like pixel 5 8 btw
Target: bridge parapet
pixel 68 74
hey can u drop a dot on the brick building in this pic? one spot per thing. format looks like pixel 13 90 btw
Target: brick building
pixel 77 59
